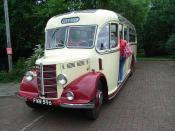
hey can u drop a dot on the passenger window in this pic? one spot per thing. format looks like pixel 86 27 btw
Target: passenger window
pixel 126 34
pixel 132 35
pixel 103 38
pixel 113 35
pixel 120 31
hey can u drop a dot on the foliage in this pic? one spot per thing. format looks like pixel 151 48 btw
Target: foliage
pixel 170 45
pixel 21 66
pixel 159 25
pixel 135 11
pixel 38 53
pixel 28 19
pixel 16 74
pixel 153 19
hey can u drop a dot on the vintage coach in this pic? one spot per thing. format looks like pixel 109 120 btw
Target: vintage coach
pixel 80 66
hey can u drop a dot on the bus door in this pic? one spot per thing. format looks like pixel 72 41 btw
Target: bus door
pixel 108 47
pixel 123 63
pixel 128 60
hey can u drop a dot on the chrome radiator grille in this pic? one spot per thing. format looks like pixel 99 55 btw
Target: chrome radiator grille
pixel 46 78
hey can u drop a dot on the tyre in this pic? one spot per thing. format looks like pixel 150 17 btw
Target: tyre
pixel 32 105
pixel 94 113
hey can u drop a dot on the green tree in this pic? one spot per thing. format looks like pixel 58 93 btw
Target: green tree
pixel 158 27
pixel 134 10
pixel 28 19
pixel 170 45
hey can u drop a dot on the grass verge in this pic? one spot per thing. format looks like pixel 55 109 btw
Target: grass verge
pixel 16 74
pixel 141 57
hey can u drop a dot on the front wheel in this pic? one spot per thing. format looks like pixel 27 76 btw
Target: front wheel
pixel 94 113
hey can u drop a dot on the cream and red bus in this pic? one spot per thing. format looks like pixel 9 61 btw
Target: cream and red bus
pixel 80 66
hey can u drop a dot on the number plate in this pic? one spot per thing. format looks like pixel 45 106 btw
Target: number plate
pixel 42 102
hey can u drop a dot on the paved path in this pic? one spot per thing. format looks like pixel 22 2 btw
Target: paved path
pixel 146 103
pixel 8 89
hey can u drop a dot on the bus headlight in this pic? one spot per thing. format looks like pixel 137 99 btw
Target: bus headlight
pixel 29 75
pixel 70 95
pixel 61 79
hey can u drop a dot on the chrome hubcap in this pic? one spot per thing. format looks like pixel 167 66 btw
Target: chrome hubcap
pixel 100 97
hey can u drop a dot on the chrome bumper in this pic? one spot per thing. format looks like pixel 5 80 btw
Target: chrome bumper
pixel 78 106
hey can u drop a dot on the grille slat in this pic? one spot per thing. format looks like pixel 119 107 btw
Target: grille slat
pixel 47 78
pixel 49 81
pixel 49 71
pixel 49 75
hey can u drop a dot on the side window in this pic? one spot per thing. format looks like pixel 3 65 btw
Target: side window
pixel 120 31
pixel 126 34
pixel 113 35
pixel 103 38
pixel 132 35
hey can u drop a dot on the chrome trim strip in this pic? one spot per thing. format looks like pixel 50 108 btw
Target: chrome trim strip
pixel 50 71
pixel 108 51
pixel 51 92
pixel 41 76
pixel 50 85
pixel 47 78
pixel 78 106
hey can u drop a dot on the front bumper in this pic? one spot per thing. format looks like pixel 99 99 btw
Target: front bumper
pixel 61 102
pixel 79 106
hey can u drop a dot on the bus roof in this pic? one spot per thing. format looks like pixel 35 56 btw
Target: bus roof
pixel 86 17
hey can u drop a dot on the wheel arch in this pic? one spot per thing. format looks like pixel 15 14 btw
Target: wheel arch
pixel 85 87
